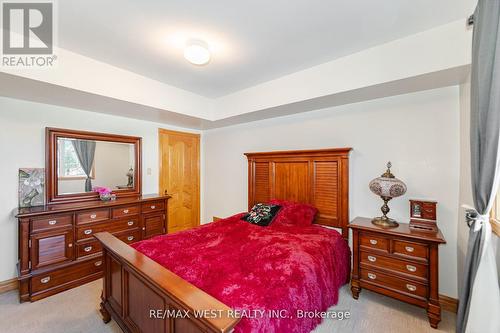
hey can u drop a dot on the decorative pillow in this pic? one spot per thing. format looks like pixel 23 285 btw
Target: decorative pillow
pixel 294 213
pixel 261 214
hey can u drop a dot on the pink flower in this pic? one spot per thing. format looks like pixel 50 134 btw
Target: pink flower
pixel 102 190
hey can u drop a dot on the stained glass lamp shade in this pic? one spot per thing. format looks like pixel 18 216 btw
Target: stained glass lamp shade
pixel 387 187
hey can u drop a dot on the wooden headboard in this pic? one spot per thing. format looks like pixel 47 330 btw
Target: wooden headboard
pixel 317 177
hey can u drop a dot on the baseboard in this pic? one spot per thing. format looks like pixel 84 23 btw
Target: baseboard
pixel 8 285
pixel 449 304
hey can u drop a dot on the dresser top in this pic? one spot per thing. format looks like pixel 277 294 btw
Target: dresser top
pixel 363 223
pixel 68 207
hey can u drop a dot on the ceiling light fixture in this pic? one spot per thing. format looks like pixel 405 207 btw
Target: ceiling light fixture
pixel 197 52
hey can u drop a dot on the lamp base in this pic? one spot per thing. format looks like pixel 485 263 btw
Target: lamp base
pixel 385 222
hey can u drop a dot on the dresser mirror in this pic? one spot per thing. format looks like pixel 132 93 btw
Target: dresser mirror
pixel 79 162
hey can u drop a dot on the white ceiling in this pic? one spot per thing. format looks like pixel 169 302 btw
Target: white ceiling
pixel 253 41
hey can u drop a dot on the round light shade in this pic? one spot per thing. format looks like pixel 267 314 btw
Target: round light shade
pixel 387 185
pixel 197 53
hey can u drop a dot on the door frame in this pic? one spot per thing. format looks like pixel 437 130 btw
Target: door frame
pixel 198 162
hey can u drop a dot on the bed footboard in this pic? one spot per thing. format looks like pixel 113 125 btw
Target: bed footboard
pixel 143 296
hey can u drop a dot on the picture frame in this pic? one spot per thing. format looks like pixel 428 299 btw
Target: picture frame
pixel 31 190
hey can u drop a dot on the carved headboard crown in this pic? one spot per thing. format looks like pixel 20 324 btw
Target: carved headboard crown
pixel 318 177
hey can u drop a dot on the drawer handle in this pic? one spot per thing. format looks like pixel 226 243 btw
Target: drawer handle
pixel 70 245
pixel 52 222
pixel 411 287
pixel 88 232
pixel 88 249
pixel 409 249
pixel 93 216
pixel 411 268
pixel 153 206
pixel 373 242
pixel 129 238
pixel 130 223
pixel 125 211
pixel 372 276
pixel 45 279
pixel 372 258
pixel 98 263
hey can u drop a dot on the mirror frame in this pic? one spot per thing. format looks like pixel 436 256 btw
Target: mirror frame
pixel 51 167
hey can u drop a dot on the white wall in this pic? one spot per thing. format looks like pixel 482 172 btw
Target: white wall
pixel 418 133
pixel 22 140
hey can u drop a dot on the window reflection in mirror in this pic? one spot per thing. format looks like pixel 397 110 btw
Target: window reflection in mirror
pixel 85 164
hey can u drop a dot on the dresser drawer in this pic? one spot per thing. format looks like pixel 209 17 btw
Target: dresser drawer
pixel 387 281
pixel 153 206
pixel 125 211
pixel 86 231
pixel 411 269
pixel 51 222
pixel 93 246
pixel 374 242
pixel 65 275
pixel 90 216
pixel 410 250
pixel 88 248
pixel 129 236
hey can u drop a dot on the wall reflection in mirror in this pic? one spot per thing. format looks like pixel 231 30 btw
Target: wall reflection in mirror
pixel 85 164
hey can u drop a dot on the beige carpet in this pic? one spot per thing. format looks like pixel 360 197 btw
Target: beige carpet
pixel 76 311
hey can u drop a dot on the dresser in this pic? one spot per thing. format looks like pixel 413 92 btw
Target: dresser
pixel 401 263
pixel 57 249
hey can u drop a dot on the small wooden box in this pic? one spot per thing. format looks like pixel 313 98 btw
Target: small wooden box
pixel 423 215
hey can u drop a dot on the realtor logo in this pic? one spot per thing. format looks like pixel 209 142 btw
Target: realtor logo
pixel 28 29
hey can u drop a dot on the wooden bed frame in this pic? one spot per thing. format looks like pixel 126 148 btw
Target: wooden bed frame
pixel 137 290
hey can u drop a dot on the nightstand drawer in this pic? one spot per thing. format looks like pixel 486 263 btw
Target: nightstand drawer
pixel 394 283
pixel 374 242
pixel 410 249
pixel 398 262
pixel 394 265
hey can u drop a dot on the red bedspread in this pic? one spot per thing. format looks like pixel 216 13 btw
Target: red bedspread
pixel 249 267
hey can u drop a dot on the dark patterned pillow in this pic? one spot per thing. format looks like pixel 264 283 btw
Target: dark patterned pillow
pixel 261 214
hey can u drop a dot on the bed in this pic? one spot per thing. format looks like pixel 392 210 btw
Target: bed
pixel 233 275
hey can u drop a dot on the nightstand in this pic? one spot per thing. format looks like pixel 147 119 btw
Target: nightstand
pixel 401 263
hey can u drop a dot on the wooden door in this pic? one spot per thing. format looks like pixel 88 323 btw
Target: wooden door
pixel 180 178
pixel 51 247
